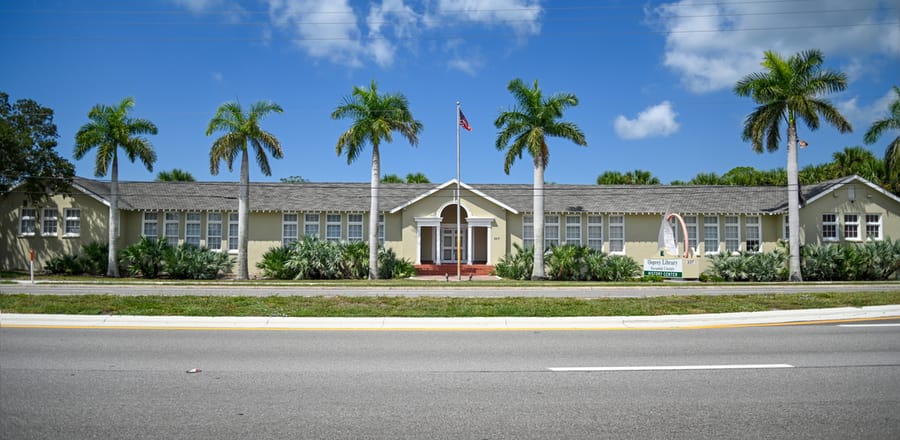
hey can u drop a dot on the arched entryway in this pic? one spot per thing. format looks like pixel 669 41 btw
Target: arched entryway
pixel 438 242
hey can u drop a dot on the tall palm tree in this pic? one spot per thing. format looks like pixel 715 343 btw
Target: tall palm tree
pixel 787 90
pixel 417 178
pixel 525 127
pixel 241 131
pixel 892 152
pixel 109 129
pixel 375 117
pixel 176 175
pixel 857 160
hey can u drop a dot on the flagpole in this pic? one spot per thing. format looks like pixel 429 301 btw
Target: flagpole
pixel 458 202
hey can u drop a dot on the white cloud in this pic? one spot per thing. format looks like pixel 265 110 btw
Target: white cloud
pixel 229 9
pixel 713 44
pixel 658 120
pixel 863 117
pixel 522 16
pixel 218 78
pixel 323 29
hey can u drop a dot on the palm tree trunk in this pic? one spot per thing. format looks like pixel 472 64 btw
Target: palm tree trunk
pixel 373 214
pixel 793 203
pixel 537 273
pixel 112 266
pixel 243 214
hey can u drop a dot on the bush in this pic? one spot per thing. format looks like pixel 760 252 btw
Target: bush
pixel 870 261
pixel 64 265
pixel 516 266
pixel 314 259
pixel 145 258
pixel 190 262
pixel 95 258
pixel 356 260
pixel 274 264
pixel 746 266
pixel 391 267
pixel 615 268
pixel 567 262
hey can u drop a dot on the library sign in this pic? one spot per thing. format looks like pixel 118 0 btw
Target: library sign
pixel 664 267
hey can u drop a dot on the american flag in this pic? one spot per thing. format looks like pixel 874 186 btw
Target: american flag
pixel 463 122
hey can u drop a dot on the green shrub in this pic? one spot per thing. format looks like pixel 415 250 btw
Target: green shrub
pixel 314 259
pixel 869 261
pixel 190 262
pixel 145 258
pixel 613 268
pixel 392 267
pixel 356 260
pixel 749 266
pixel 95 258
pixel 64 265
pixel 274 264
pixel 567 262
pixel 516 266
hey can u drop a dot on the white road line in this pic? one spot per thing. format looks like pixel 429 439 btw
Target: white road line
pixel 869 325
pixel 676 367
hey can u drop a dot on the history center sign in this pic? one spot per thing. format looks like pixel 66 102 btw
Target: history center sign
pixel 664 267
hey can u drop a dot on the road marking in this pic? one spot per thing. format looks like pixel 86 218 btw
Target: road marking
pixel 676 367
pixel 870 325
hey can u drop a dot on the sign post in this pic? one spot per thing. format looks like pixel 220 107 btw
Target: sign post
pixel 31 264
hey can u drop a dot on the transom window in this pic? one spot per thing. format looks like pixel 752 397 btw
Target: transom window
pixel 616 234
pixel 49 222
pixel 354 227
pixel 829 227
pixel 311 225
pixel 192 229
pixel 333 227
pixel 851 227
pixel 72 226
pixel 27 221
pixel 573 229
pixel 214 231
pixel 873 226
pixel 711 234
pixel 595 232
pixel 754 234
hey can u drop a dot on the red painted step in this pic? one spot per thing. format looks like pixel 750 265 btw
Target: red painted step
pixel 450 269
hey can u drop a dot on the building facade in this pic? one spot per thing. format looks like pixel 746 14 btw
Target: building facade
pixel 419 221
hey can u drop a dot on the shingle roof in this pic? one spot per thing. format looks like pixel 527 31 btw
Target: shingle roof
pixel 625 199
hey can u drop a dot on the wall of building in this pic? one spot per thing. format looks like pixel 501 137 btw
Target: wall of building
pixel 854 198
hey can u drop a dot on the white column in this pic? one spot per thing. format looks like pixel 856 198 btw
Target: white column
pixel 469 244
pixel 418 244
pixel 436 244
pixel 490 242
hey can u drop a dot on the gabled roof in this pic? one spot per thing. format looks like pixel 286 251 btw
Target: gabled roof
pixel 515 198
pixel 462 185
pixel 828 187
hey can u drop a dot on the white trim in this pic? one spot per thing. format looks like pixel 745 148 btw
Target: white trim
pixel 753 227
pixel 189 222
pixel 339 223
pixel 209 223
pixel 736 225
pixel 836 223
pixel 32 218
pixel 288 239
pixel 55 223
pixel 610 224
pixel 858 223
pixel 880 224
pixel 447 184
pixel 850 179
pixel 75 218
pixel 145 222
pixel 718 235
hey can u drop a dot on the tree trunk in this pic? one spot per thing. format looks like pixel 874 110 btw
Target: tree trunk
pixel 112 266
pixel 243 214
pixel 537 273
pixel 373 214
pixel 793 194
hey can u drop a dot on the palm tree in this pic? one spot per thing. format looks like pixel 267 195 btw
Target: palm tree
pixel 417 178
pixel 525 128
pixel 391 178
pixel 892 152
pixel 110 128
pixel 787 90
pixel 857 160
pixel 375 117
pixel 176 175
pixel 242 130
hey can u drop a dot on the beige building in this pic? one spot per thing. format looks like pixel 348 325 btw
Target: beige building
pixel 418 221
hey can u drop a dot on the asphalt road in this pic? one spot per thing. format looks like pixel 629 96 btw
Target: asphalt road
pixel 451 289
pixel 819 382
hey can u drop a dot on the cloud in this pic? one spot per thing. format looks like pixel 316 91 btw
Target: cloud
pixel 218 78
pixel 711 45
pixel 862 117
pixel 323 29
pixel 229 9
pixel 522 16
pixel 658 120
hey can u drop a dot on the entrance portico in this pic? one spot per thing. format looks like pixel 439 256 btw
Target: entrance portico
pixel 436 237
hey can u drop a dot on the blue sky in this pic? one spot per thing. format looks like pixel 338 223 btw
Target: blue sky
pixel 654 78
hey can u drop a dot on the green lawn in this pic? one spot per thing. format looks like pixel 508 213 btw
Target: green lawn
pixel 344 306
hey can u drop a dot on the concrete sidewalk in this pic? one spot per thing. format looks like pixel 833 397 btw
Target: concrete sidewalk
pixel 13 320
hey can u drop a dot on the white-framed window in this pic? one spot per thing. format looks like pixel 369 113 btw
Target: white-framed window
pixel 690 223
pixel 72 219
pixel 573 229
pixel 192 230
pixel 311 225
pixel 617 234
pixel 289 228
pixel 49 222
pixel 170 228
pixel 551 231
pixel 851 227
pixel 711 234
pixel 595 232
pixel 380 229
pixel 27 221
pixel 732 233
pixel 786 228
pixel 830 227
pixel 233 236
pixel 150 225
pixel 332 227
pixel 214 231
pixel 753 230
pixel 354 227
pixel 527 231
pixel 873 227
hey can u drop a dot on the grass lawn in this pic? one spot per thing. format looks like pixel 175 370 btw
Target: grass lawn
pixel 345 306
